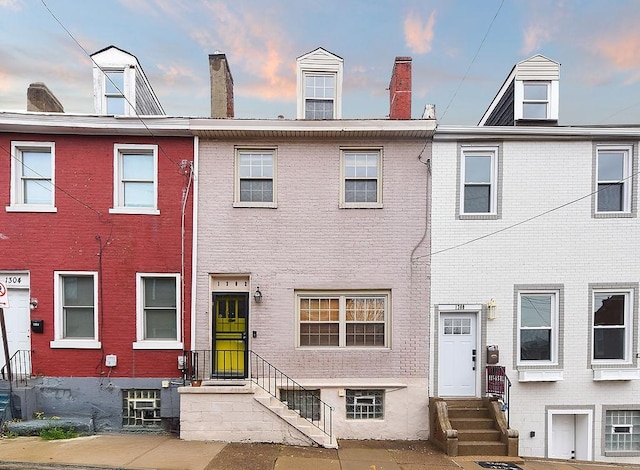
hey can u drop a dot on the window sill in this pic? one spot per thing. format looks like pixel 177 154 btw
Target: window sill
pixel 75 344
pixel 612 215
pixel 540 375
pixel 158 345
pixel 256 205
pixel 479 216
pixel 31 208
pixel 621 453
pixel 134 211
pixel 616 374
pixel 361 205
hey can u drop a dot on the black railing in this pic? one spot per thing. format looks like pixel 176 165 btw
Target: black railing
pixel 234 364
pixel 499 385
pixel 18 369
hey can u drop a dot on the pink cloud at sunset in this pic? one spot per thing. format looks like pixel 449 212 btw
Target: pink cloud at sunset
pixel 419 36
pixel 623 52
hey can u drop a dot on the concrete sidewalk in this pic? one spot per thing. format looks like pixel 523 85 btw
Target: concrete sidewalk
pixel 166 452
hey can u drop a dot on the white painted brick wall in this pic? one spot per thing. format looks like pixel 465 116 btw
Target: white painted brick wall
pixel 567 247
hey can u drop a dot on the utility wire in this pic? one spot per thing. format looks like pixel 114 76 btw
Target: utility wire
pixel 473 60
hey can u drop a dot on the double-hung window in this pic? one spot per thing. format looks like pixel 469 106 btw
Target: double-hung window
pixel 114 92
pixel 612 325
pixel 319 95
pixel 135 179
pixel 76 310
pixel 479 181
pixel 158 311
pixel 32 177
pixel 361 178
pixel 535 104
pixel 343 319
pixel 538 327
pixel 613 192
pixel 255 178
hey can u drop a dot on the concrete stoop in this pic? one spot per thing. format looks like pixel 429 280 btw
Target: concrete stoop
pixel 294 419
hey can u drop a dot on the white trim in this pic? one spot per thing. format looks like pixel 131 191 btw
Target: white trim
pixel 59 340
pixel 627 180
pixel 17 203
pixel 273 151
pixel 541 375
pixel 118 190
pixel 194 242
pixel 555 329
pixel 141 342
pixel 628 326
pixel 378 204
pixel 615 374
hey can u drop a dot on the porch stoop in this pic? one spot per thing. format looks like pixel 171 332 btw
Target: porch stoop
pixel 471 426
pixel 293 418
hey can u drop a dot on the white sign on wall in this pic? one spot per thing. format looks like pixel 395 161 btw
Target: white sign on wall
pixel 4 296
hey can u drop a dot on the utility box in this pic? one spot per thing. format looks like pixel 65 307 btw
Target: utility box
pixel 493 354
pixel 37 326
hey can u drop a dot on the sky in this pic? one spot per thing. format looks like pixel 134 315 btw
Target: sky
pixel 461 50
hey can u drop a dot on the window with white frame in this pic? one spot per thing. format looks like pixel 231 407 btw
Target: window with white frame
pixel 158 312
pixel 538 327
pixel 535 103
pixel 612 325
pixel 365 404
pixel 319 95
pixel 622 431
pixel 76 310
pixel 255 178
pixel 135 179
pixel 32 176
pixel 114 92
pixel 613 179
pixel 361 178
pixel 343 319
pixel 478 192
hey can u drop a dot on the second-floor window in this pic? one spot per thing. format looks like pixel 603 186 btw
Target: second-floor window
pixel 613 179
pixel 135 179
pixel 478 192
pixel 361 178
pixel 255 178
pixel 32 168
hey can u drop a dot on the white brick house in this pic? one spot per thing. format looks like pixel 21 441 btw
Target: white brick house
pixel 540 223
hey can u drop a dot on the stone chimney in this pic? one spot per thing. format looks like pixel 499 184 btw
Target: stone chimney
pixel 221 86
pixel 41 99
pixel 400 89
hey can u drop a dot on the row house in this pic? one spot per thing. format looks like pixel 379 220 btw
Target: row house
pixel 96 241
pixel 534 233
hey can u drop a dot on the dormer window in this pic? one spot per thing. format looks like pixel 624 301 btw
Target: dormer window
pixel 319 80
pixel 319 95
pixel 114 91
pixel 535 104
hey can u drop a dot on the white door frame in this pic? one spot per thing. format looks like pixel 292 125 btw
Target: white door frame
pixel 466 309
pixel 582 447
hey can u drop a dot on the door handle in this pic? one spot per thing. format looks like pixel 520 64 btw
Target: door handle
pixel 473 359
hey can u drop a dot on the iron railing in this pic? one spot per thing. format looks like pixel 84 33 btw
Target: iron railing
pixel 18 368
pixel 499 385
pixel 234 364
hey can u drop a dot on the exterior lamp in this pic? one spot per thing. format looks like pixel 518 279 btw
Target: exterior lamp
pixel 258 296
pixel 33 303
pixel 491 310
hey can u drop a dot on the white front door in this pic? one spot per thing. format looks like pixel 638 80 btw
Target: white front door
pixel 457 358
pixel 18 323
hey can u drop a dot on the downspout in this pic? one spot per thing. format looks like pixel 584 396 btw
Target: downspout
pixel 188 168
pixel 194 242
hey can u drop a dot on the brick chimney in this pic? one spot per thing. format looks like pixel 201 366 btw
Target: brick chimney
pixel 400 89
pixel 41 99
pixel 221 86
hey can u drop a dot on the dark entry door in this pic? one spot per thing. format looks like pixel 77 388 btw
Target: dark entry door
pixel 230 343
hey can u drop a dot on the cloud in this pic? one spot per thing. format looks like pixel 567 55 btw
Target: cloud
pixel 172 74
pixel 622 51
pixel 535 36
pixel 419 36
pixel 11 4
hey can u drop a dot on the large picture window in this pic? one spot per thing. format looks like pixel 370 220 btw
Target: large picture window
pixel 343 319
pixel 158 312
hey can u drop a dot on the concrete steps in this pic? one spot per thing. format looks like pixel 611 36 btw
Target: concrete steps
pixel 478 433
pixel 294 419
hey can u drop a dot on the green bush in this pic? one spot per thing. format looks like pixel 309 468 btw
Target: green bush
pixel 51 434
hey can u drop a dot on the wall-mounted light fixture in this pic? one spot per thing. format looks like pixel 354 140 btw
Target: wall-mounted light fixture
pixel 491 310
pixel 258 295
pixel 33 303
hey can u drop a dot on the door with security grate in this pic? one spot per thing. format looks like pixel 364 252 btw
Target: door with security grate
pixel 230 328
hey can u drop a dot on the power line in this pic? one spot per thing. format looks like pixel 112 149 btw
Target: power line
pixel 472 60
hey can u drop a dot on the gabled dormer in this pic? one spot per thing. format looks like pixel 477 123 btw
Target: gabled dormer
pixel 319 85
pixel 528 97
pixel 120 86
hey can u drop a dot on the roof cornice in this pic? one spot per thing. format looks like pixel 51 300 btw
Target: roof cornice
pixel 450 133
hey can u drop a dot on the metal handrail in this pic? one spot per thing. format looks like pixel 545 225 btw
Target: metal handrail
pixel 499 385
pixel 274 382
pixel 20 370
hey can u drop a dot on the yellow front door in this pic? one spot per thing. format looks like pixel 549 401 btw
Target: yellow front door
pixel 230 311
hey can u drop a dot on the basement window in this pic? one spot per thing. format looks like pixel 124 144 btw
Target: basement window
pixel 365 404
pixel 141 409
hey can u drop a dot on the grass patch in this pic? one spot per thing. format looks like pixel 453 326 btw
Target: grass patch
pixel 51 434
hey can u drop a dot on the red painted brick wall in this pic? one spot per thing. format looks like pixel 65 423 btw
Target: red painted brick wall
pixel 71 238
